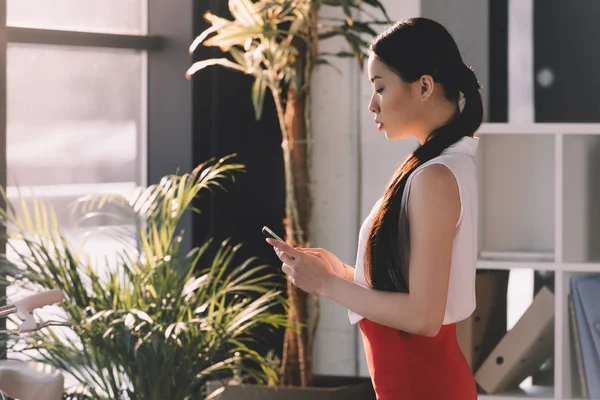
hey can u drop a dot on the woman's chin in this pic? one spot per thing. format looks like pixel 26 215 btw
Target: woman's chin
pixel 396 134
pixel 391 135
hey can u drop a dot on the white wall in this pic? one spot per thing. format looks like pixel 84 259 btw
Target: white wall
pixel 334 174
pixel 352 163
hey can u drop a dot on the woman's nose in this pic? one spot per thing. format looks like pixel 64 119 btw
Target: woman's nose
pixel 373 106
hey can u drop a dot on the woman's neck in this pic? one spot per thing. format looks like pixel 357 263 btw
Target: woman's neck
pixel 441 116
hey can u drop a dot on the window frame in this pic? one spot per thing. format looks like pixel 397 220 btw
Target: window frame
pixel 166 133
pixel 82 39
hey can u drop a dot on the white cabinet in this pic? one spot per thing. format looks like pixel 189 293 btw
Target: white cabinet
pixel 540 211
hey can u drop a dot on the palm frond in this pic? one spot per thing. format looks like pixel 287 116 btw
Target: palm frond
pixel 162 322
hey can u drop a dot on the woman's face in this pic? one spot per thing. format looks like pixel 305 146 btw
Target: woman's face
pixel 397 105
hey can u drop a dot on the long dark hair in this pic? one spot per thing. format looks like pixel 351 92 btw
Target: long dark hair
pixel 414 48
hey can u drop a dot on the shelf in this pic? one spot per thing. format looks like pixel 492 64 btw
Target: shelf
pixel 539 221
pixel 533 392
pixel 580 267
pixel 494 128
pixel 581 198
pixel 508 265
pixel 516 193
pixel 526 256
pixel 538 266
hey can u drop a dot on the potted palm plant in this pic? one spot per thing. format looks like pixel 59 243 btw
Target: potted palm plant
pixel 277 42
pixel 152 322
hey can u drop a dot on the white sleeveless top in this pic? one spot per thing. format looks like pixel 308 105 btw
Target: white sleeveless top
pixel 460 159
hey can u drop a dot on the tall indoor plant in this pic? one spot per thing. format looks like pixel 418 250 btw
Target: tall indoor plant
pixel 152 322
pixel 277 42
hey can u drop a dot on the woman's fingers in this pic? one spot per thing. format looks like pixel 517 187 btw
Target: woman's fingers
pixel 286 258
pixel 284 247
pixel 313 249
pixel 287 270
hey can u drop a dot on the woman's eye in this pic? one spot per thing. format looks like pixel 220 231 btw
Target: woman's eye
pixel 378 91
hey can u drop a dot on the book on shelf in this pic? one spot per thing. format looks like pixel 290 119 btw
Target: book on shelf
pixel 579 383
pixel 585 294
pixel 480 333
pixel 524 256
pixel 523 349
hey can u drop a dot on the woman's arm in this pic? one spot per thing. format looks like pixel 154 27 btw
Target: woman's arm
pixel 433 211
pixel 349 275
pixel 340 268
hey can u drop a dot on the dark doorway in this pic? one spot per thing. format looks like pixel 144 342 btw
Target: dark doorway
pixel 224 123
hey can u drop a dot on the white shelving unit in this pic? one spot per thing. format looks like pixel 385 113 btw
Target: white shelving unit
pixel 540 196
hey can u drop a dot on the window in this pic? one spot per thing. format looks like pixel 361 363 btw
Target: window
pixel 107 16
pixel 75 115
pixel 74 122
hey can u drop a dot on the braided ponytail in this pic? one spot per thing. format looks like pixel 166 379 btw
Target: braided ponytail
pixel 401 48
pixel 472 114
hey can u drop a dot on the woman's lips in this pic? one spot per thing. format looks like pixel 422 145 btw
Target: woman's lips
pixel 378 123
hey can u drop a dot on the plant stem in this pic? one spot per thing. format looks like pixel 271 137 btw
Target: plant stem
pixel 296 238
pixel 291 204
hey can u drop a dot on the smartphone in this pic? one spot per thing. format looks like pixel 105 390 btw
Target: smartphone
pixel 269 233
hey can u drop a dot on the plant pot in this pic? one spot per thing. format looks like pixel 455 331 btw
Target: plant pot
pixel 323 388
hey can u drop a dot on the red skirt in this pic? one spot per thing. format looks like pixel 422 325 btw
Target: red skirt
pixel 404 366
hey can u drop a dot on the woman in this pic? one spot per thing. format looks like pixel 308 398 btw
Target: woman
pixel 415 270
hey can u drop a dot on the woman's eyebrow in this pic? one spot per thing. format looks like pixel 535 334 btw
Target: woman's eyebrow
pixel 374 78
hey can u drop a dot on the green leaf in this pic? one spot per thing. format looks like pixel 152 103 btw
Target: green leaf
pixel 259 89
pixel 357 44
pixel 377 4
pixel 197 66
pixel 245 12
pixel 216 22
pixel 362 27
pixel 341 54
pixel 329 34
pixel 200 38
pixel 26 216
pixel 193 284
pixel 238 55
pixel 347 11
pixel 298 23
pixel 237 35
pixel 358 4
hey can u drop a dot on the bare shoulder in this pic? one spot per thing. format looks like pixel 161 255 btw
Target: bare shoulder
pixel 434 192
pixel 435 177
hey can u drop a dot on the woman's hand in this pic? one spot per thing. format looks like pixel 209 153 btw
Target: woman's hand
pixel 309 270
pixel 337 264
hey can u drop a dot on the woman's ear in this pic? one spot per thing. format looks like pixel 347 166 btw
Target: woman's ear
pixel 426 87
